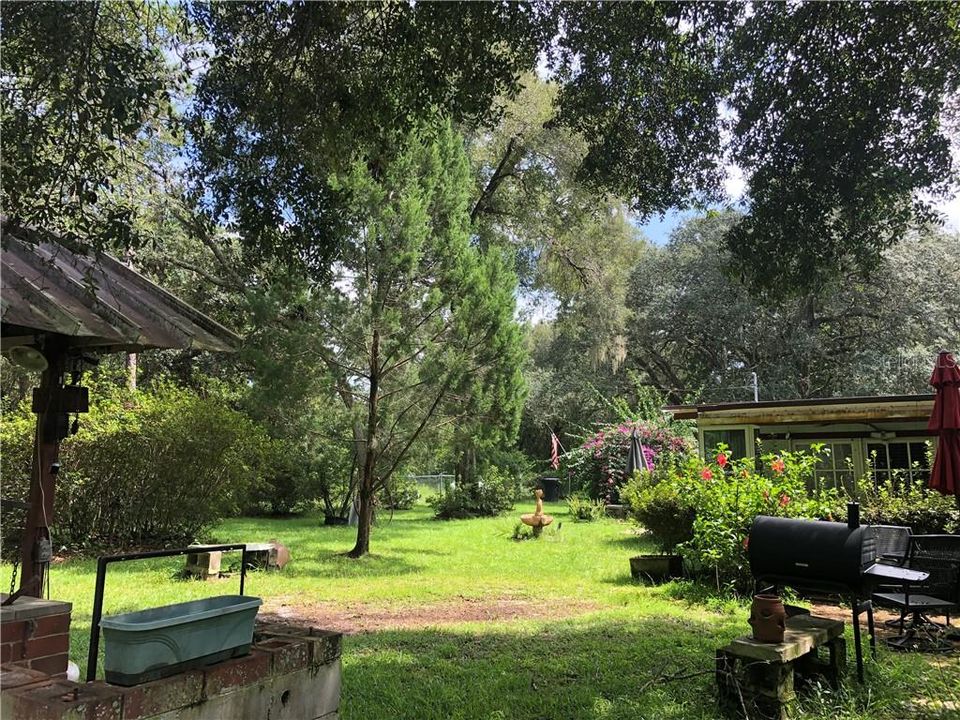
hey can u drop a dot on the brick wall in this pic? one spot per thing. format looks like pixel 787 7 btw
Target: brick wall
pixel 292 673
pixel 35 633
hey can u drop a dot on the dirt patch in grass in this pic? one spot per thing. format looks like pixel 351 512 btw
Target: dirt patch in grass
pixel 355 617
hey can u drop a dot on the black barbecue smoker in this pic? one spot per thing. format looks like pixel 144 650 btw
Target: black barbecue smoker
pixel 825 557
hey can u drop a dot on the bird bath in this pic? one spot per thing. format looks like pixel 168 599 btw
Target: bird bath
pixel 537 520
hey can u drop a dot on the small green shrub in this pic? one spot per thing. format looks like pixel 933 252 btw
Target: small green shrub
pixel 487 497
pixel 666 512
pixel 583 509
pixel 522 532
pixel 402 493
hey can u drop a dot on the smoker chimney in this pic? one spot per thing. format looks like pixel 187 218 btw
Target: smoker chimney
pixel 853 515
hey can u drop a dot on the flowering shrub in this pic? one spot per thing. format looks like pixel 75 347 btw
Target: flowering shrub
pixel 705 509
pixel 597 467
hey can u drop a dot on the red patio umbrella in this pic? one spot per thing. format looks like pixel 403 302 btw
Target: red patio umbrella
pixel 945 421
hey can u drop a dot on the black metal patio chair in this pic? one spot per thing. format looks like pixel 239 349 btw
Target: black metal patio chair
pixel 892 548
pixel 938 555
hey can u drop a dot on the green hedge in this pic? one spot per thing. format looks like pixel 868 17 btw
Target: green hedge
pixel 145 469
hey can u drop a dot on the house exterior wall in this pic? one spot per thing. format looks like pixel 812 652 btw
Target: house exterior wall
pixel 895 429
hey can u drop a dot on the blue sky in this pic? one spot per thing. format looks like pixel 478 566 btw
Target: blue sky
pixel 657 229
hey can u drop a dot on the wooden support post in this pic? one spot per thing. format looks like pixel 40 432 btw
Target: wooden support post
pixel 51 428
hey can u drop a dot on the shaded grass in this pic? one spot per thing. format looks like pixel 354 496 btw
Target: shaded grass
pixel 597 665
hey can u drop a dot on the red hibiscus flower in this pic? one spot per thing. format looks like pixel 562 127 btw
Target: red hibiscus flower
pixel 706 474
pixel 784 500
pixel 778 466
pixel 722 460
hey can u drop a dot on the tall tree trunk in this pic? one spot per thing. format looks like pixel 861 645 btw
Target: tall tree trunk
pixel 368 474
pixel 131 365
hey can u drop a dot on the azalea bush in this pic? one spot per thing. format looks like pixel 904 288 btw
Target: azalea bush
pixel 598 466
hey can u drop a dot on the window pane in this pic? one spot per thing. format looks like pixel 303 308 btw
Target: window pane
pixel 899 456
pixel 877 455
pixel 736 440
pixel 918 454
pixel 842 456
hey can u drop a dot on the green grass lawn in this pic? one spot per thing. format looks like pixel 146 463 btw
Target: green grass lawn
pixel 600 646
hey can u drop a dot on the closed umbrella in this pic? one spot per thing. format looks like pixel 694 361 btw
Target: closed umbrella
pixel 636 460
pixel 945 422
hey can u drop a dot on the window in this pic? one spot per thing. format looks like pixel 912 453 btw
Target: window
pixel 899 462
pixel 835 466
pixel 736 440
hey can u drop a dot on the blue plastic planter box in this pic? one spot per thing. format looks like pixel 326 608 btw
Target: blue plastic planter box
pixel 150 644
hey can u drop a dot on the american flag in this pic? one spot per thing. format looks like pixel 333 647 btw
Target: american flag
pixel 554 457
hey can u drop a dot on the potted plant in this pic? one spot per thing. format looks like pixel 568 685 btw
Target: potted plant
pixel 667 515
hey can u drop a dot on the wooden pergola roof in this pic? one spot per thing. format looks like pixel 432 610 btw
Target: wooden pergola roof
pixel 51 286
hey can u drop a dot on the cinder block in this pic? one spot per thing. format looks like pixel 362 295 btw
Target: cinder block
pixel 289 654
pixel 158 696
pixel 204 565
pixel 325 645
pixel 230 674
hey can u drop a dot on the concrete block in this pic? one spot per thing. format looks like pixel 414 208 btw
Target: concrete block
pixel 325 645
pixel 289 654
pixel 159 696
pixel 230 674
pixel 25 608
pixel 306 694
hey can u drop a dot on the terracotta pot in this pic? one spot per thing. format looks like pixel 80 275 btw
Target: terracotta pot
pixel 768 618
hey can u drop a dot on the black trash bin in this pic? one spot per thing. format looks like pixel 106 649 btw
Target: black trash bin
pixel 551 489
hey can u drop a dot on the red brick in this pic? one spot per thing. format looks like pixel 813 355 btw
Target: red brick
pixel 13 631
pixel 10 652
pixel 289 654
pixel 63 699
pixel 50 664
pixel 234 673
pixel 52 625
pixel 49 645
pixel 159 696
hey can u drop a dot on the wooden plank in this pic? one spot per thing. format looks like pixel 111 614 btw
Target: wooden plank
pixel 804 634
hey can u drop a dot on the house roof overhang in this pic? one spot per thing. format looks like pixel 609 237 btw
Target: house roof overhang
pixel 882 408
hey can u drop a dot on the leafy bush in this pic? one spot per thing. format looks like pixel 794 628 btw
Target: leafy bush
pixel 584 509
pixel 145 469
pixel 662 509
pixel 925 511
pixel 598 465
pixel 488 497
pixel 705 510
pixel 403 493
